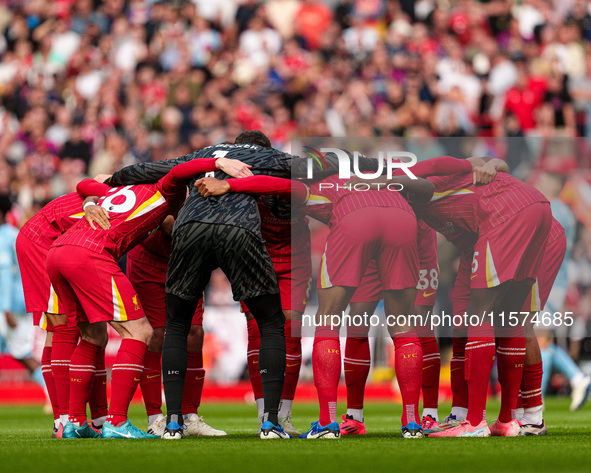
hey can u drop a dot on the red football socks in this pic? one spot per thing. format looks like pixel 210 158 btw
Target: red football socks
pixel 82 368
pixel 98 396
pixel 459 387
pixel 252 358
pixel 127 370
pixel 408 362
pixel 293 346
pixel 151 383
pixel 49 382
pixel 357 364
pixel 431 367
pixel 510 361
pixel 480 357
pixel 63 344
pixel 194 380
pixel 531 385
pixel 326 363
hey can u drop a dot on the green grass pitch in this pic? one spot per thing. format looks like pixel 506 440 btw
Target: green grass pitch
pixel 26 446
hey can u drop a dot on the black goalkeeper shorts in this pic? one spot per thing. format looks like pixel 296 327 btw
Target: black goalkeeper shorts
pixel 199 248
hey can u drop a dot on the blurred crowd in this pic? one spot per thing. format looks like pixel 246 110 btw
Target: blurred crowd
pixel 88 86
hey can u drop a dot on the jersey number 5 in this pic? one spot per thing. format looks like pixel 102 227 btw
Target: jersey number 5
pixel 475 262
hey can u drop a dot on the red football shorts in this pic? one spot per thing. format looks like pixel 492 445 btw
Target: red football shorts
pixel 428 266
pixel 295 279
pixel 387 235
pixel 512 251
pixel 40 296
pixel 370 289
pixel 551 262
pixel 149 283
pixel 91 286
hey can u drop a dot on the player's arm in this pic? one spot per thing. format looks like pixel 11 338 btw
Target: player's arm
pixel 418 191
pixel 293 191
pixel 90 190
pixel 329 166
pixel 438 166
pixel 167 225
pixel 176 180
pixel 485 168
pixel 146 173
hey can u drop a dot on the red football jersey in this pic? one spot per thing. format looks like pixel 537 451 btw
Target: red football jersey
pixel 54 219
pixel 134 211
pixel 460 210
pixel 330 200
pixel 154 250
pixel 556 231
pixel 504 197
pixel 426 242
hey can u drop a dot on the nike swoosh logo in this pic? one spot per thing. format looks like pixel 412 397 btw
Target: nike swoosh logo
pixel 430 294
pixel 473 276
pixel 348 371
pixel 198 378
pixel 455 369
pixel 136 379
pixel 255 362
pixel 127 436
pixel 153 376
pixel 289 366
pixel 430 366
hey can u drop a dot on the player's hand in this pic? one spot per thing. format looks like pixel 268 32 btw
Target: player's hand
pixel 354 180
pixel 209 186
pixel 233 167
pixel 97 214
pixel 102 177
pixel 10 319
pixel 359 180
pixel 484 174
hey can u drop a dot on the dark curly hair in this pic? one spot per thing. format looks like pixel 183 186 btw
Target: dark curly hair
pixel 253 137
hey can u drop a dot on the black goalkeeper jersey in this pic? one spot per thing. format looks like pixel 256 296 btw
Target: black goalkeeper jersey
pixel 233 208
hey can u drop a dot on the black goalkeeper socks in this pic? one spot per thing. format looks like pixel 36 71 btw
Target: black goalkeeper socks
pixel 174 352
pixel 271 322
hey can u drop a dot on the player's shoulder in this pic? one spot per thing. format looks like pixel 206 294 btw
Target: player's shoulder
pixel 450 181
pixel 506 177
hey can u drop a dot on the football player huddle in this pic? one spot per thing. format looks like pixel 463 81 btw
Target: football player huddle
pixel 247 213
